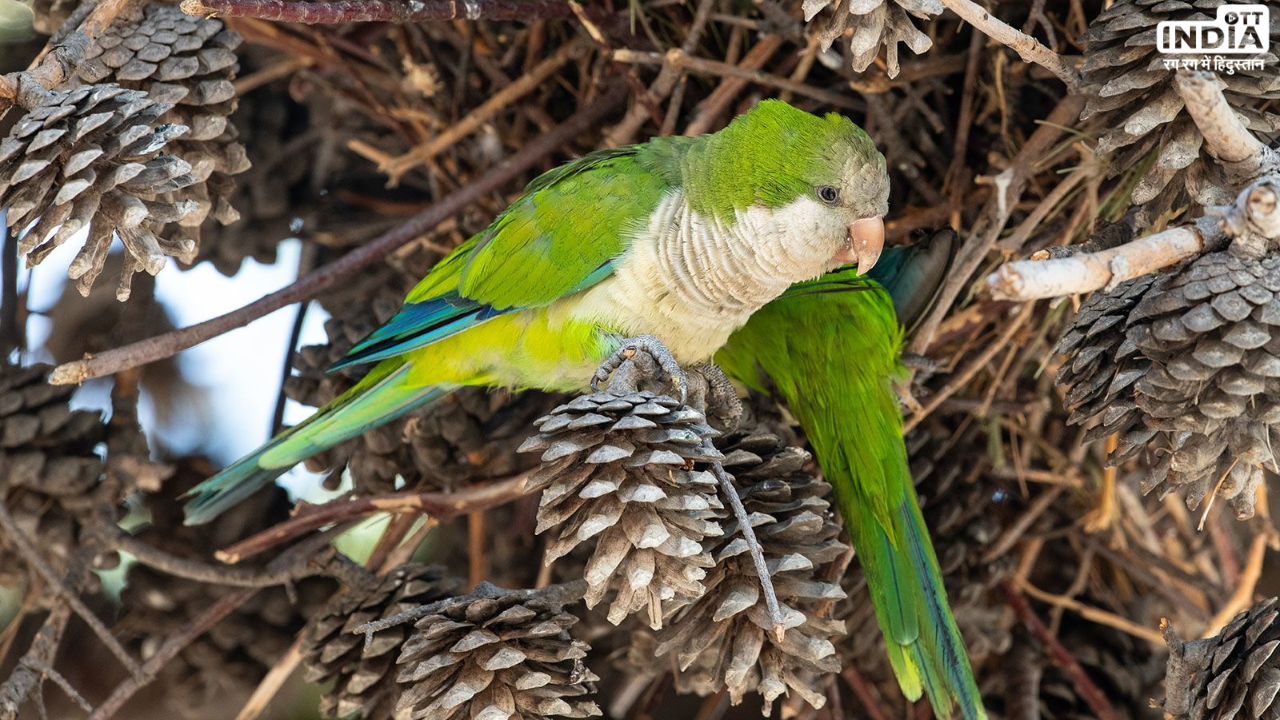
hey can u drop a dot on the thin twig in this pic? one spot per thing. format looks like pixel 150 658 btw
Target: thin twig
pixel 1061 657
pixel 436 504
pixel 625 131
pixel 65 686
pixel 35 561
pixel 396 167
pixel 168 650
pixel 711 108
pixel 679 59
pixel 753 543
pixel 26 676
pixel 273 680
pixel 1027 47
pixel 171 343
pixel 863 691
pixel 974 367
pixel 1242 597
pixel 306 262
pixel 1093 614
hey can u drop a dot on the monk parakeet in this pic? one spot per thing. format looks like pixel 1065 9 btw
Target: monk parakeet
pixel 830 348
pixel 678 239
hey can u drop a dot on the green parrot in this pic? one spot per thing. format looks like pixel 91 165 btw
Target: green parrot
pixel 667 246
pixel 830 349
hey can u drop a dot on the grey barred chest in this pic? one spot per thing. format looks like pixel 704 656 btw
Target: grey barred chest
pixel 692 280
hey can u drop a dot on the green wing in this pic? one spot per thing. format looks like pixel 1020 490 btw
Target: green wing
pixel 561 236
pixel 558 237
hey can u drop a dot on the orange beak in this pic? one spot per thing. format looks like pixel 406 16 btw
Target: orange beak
pixel 864 244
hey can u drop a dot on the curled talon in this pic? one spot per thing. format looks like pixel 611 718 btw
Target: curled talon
pixel 661 358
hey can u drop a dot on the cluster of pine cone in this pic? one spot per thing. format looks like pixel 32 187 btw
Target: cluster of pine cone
pixel 137 146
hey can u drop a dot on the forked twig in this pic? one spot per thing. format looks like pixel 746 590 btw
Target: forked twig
pixel 168 650
pixel 1027 47
pixel 436 504
pixel 36 562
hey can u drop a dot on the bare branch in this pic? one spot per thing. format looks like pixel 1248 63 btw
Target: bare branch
pixel 1225 135
pixel 1027 47
pixel 436 504
pixel 1035 279
pixel 57 62
pixel 394 11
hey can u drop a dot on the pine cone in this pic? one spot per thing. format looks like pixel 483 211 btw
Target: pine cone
pixel 362 679
pixel 1134 101
pixel 1234 674
pixel 496 654
pixel 190 62
pixel 617 466
pixel 875 23
pixel 725 638
pixel 53 467
pixel 1103 363
pixel 95 157
pixel 1194 374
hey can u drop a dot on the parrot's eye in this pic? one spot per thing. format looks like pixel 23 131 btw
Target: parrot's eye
pixel 828 194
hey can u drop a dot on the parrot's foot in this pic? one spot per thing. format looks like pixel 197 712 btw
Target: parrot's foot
pixel 920 363
pixel 711 392
pixel 922 368
pixel 640 358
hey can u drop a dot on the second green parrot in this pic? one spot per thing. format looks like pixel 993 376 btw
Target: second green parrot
pixel 830 349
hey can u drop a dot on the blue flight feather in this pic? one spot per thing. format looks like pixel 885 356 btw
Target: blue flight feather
pixel 418 325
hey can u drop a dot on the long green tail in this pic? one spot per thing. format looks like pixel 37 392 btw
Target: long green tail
pixel 924 645
pixel 830 348
pixel 380 397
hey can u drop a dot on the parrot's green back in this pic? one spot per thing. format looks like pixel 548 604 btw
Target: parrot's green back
pixel 830 349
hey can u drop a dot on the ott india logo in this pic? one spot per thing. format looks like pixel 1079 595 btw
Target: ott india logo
pixel 1237 30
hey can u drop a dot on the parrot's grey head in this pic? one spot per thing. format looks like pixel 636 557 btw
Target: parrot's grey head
pixel 814 190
